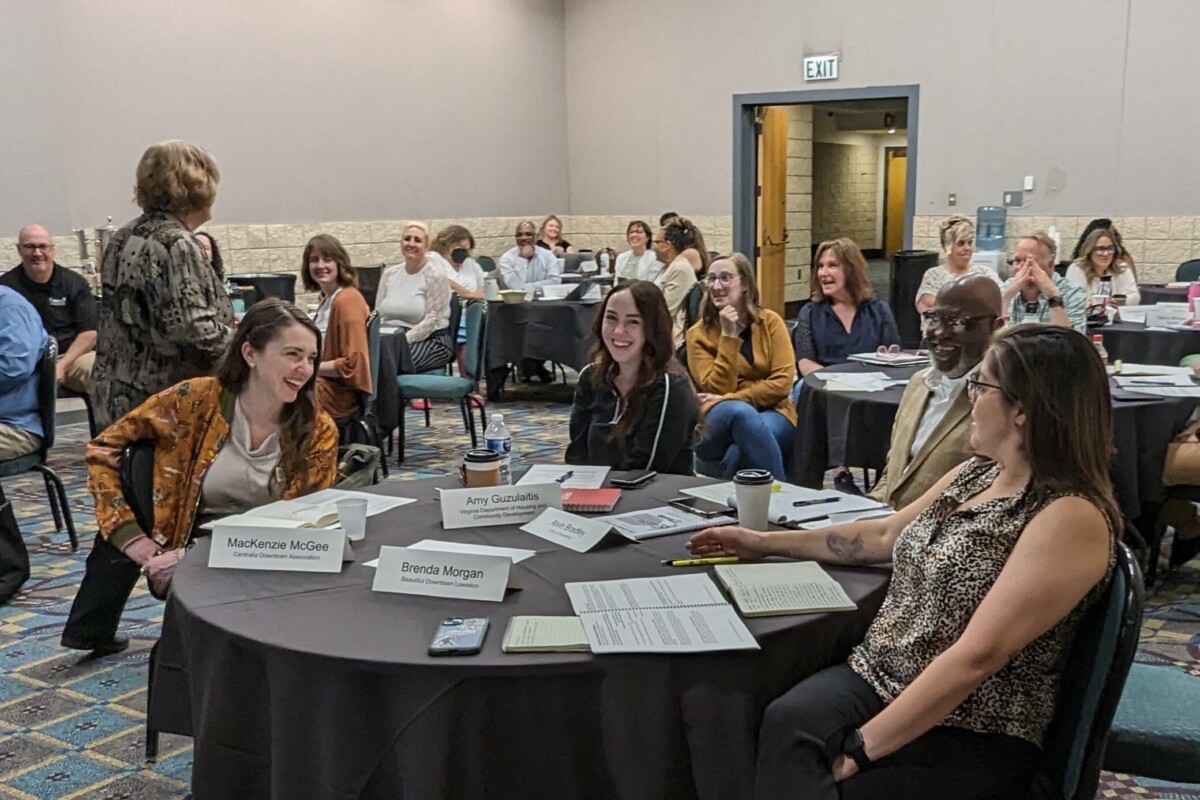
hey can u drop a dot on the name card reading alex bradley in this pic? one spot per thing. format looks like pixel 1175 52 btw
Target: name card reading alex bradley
pixel 497 505
pixel 281 549
pixel 437 573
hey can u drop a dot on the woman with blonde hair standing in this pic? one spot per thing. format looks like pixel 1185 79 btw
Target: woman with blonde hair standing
pixel 957 235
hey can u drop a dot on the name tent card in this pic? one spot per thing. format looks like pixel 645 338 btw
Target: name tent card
pixel 436 573
pixel 497 505
pixel 571 531
pixel 279 549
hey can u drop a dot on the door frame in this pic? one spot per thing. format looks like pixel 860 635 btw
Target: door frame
pixel 887 151
pixel 745 151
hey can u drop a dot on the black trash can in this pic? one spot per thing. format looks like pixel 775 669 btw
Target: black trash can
pixel 268 284
pixel 908 268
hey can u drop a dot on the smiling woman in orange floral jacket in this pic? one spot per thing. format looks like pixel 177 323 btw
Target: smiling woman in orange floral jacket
pixel 223 445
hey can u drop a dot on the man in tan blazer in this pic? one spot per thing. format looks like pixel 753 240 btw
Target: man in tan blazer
pixel 932 432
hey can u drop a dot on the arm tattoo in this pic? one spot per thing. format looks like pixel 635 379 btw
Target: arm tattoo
pixel 849 549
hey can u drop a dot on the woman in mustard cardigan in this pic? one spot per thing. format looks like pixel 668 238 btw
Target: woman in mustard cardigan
pixel 344 372
pixel 222 445
pixel 740 357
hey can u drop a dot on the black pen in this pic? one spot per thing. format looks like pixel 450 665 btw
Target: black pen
pixel 565 477
pixel 1149 383
pixel 815 502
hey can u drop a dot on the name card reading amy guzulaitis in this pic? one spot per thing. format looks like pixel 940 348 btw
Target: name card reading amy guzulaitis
pixel 281 549
pixel 438 573
pixel 498 505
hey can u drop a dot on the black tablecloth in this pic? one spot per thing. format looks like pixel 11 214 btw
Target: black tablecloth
pixel 311 685
pixel 1152 295
pixel 854 429
pixel 1133 342
pixel 545 330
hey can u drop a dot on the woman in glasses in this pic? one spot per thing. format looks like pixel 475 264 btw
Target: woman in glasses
pixel 958 245
pixel 677 277
pixel 740 358
pixel 953 689
pixel 844 316
pixel 1099 259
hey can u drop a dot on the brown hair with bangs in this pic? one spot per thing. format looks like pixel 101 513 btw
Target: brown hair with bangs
pixel 326 246
pixel 854 267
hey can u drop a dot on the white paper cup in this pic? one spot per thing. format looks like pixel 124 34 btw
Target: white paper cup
pixel 753 490
pixel 352 514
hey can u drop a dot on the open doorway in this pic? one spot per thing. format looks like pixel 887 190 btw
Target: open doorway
pixel 816 165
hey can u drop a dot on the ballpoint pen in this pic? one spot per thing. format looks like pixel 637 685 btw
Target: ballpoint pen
pixel 1149 383
pixel 815 502
pixel 699 562
pixel 566 476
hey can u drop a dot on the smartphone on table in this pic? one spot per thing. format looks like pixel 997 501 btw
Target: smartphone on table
pixel 635 479
pixel 697 505
pixel 459 636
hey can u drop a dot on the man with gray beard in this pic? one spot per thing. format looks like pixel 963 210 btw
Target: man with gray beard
pixel 932 432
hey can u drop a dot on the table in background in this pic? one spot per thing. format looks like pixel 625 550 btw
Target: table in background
pixel 1152 294
pixel 559 331
pixel 854 429
pixel 311 685
pixel 1134 342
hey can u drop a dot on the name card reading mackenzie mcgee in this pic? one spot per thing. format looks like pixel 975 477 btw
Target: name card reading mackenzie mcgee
pixel 302 550
pixel 498 505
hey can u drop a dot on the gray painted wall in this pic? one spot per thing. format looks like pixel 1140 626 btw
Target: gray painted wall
pixel 1097 99
pixel 359 109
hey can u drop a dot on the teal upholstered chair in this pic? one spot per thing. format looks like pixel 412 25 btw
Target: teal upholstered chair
pixel 1093 677
pixel 486 263
pixel 1156 732
pixel 448 387
pixel 55 491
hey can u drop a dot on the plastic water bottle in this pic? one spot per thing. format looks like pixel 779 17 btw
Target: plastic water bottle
pixel 1097 342
pixel 603 262
pixel 499 440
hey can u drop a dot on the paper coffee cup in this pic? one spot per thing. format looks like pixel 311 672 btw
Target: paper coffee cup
pixel 480 468
pixel 352 515
pixel 753 491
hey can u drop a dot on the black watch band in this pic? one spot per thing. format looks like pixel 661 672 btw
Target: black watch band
pixel 853 746
pixel 1055 302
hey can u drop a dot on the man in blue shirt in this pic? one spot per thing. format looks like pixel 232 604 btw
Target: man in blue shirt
pixel 1036 293
pixel 23 342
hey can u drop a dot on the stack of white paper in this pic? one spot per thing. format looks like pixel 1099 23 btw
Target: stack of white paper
pixel 784 509
pixel 858 381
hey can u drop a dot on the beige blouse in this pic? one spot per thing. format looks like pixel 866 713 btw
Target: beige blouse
pixel 240 478
pixel 675 280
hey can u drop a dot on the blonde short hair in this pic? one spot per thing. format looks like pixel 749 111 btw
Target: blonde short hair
pixel 414 223
pixel 177 177
pixel 1043 238
pixel 954 229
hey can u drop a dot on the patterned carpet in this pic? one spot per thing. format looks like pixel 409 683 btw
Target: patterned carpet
pixel 71 727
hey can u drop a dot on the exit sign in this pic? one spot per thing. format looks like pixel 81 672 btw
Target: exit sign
pixel 821 68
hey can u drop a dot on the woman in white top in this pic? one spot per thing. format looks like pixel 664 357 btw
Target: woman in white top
pixel 1097 260
pixel 452 253
pixel 958 244
pixel 677 277
pixel 415 296
pixel 638 263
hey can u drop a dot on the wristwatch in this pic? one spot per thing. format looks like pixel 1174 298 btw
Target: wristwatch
pixel 853 746
pixel 1055 302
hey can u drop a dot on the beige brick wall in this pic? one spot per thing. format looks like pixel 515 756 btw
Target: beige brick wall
pixel 1158 244
pixel 845 185
pixel 799 203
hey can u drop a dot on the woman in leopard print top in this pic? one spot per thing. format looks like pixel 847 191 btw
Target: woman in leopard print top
pixel 953 688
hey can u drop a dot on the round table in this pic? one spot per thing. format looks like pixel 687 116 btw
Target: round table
pixel 546 330
pixel 1152 294
pixel 311 685
pixel 854 429
pixel 1134 342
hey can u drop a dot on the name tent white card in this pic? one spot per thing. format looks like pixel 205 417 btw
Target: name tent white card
pixel 497 505
pixel 437 573
pixel 279 549
pixel 572 531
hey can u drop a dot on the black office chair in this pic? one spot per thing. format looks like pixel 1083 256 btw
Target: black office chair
pixel 1093 678
pixel 1188 271
pixel 47 393
pixel 368 282
pixel 63 391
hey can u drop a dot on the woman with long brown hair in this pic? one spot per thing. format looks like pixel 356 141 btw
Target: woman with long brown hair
pixel 1100 258
pixel 634 407
pixel 222 445
pixel 953 689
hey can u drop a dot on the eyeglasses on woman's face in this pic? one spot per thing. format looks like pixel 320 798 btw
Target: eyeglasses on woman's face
pixel 975 388
pixel 1105 250
pixel 932 320
pixel 723 278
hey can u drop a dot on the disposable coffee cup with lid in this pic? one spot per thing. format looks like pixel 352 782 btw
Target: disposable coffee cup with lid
pixel 753 490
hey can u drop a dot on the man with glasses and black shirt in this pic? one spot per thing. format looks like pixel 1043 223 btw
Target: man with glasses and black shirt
pixel 932 432
pixel 63 300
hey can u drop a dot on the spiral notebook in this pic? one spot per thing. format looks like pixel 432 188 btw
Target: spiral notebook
pixel 664 521
pixel 590 500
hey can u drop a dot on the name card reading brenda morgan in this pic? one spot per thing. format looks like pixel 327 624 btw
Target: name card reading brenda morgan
pixel 497 505
pixel 280 549
pixel 436 573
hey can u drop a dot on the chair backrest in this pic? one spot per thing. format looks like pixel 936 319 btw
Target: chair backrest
pixel 1092 679
pixel 456 310
pixel 573 262
pixel 47 394
pixel 691 305
pixel 486 263
pixel 1188 270
pixel 373 354
pixel 137 481
pixel 368 282
pixel 476 337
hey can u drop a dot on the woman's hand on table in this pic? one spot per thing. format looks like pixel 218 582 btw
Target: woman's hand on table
pixel 729 540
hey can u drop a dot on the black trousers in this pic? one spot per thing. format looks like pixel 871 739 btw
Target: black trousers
pixel 803 731
pixel 108 579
